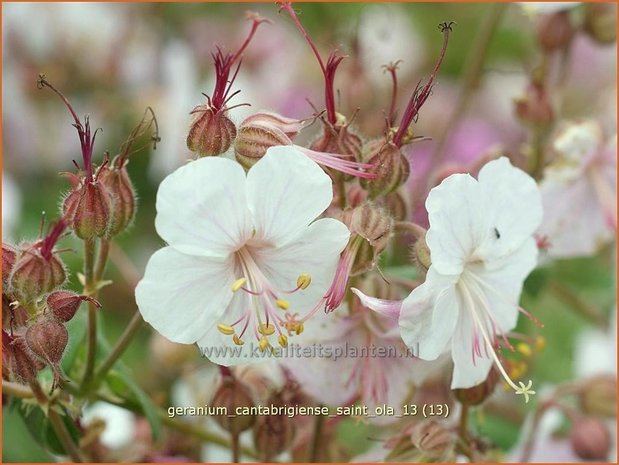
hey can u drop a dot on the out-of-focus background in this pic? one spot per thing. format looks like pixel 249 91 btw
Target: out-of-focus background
pixel 113 60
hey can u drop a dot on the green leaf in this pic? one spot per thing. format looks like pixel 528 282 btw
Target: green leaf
pixel 122 385
pixel 42 432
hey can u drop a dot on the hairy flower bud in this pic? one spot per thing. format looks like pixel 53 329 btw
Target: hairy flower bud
pixel 33 275
pixel 231 395
pixel 22 363
pixel 48 340
pixel 398 204
pixel 257 134
pixel 555 30
pixel 211 132
pixel 534 108
pixel 432 439
pixel 273 434
pixel 599 396
pixel 421 253
pixel 373 225
pixel 8 261
pixel 339 138
pixel 122 195
pixel 390 167
pixel 477 394
pixel 600 22
pixel 88 210
pixel 590 439
pixel 64 304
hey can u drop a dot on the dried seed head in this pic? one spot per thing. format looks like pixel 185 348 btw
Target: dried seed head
pixel 88 210
pixel 590 439
pixel 231 395
pixel 23 365
pixel 339 138
pixel 390 167
pixel 211 132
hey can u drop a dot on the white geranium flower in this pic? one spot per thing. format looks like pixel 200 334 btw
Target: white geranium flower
pixel 540 8
pixel 579 192
pixel 482 249
pixel 242 252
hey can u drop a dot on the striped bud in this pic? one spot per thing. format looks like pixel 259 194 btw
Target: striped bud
pixel 211 132
pixel 123 198
pixel 390 166
pixel 88 210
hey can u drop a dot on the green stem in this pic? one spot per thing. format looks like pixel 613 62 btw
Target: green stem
pixel 463 428
pixel 574 301
pixel 319 423
pixel 16 390
pixel 104 250
pixel 119 348
pixel 236 451
pixel 91 333
pixel 65 438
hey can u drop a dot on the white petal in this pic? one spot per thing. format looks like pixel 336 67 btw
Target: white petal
pixel 315 252
pixel 286 191
pixel 182 296
pixel 457 222
pixel 202 209
pixel 387 308
pixel 429 316
pixel 501 283
pixel 512 208
pixel 468 373
pixel 220 348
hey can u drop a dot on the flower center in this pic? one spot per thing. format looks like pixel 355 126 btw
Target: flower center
pixel 485 325
pixel 267 312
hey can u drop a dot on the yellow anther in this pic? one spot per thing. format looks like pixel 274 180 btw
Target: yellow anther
pixel 267 330
pixel 540 343
pixel 283 341
pixel 303 281
pixel 225 329
pixel 237 340
pixel 236 285
pixel 263 344
pixel 299 328
pixel 524 349
pixel 283 304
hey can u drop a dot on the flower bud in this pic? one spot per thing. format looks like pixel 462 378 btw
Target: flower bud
pixel 477 394
pixel 374 225
pixel 600 22
pixel 590 439
pixel 390 166
pixel 432 439
pixel 123 198
pixel 273 434
pixel 33 275
pixel 398 204
pixel 88 210
pixel 8 261
pixel 64 304
pixel 231 395
pixel 23 364
pixel 48 340
pixel 422 254
pixel 256 136
pixel 211 132
pixel 534 108
pixel 555 30
pixel 339 138
pixel 599 396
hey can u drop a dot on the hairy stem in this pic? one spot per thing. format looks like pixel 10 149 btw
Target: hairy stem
pixel 91 333
pixel 319 423
pixel 65 438
pixel 104 250
pixel 16 390
pixel 235 449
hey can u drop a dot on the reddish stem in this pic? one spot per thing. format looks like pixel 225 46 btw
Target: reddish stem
pixel 420 95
